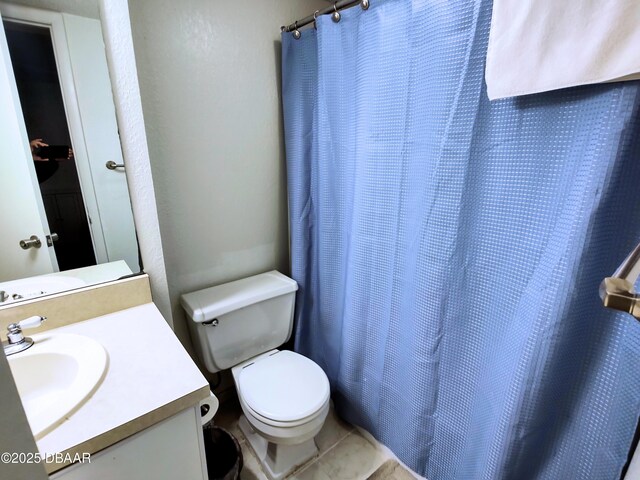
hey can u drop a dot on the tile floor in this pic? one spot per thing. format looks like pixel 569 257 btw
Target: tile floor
pixel 344 454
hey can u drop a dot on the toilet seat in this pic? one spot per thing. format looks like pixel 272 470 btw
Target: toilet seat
pixel 256 417
pixel 283 389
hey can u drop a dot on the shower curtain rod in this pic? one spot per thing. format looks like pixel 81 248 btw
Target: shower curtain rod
pixel 333 9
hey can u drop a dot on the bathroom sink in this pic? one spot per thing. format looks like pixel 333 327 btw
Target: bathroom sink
pixel 37 286
pixel 56 376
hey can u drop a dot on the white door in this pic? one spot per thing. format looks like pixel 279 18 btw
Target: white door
pixel 112 213
pixel 21 208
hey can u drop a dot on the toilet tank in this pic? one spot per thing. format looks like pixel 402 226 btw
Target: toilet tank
pixel 235 321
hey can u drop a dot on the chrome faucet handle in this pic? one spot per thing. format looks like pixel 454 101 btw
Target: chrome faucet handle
pixel 16 341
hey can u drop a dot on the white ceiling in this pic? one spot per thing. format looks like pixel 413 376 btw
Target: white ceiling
pixel 84 8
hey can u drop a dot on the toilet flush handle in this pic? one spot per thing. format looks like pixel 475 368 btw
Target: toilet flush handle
pixel 212 323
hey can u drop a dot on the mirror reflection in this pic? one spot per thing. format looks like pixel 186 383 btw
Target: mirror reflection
pixel 63 173
pixel 36 74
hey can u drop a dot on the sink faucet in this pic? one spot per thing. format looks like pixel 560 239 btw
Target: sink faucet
pixel 3 296
pixel 16 341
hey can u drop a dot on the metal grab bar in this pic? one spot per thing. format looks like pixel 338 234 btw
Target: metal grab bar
pixel 618 291
pixel 111 165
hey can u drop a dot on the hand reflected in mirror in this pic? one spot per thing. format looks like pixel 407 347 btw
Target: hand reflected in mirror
pixel 46 157
pixel 41 151
pixel 35 146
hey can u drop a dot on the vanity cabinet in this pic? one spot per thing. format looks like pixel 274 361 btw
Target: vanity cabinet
pixel 143 420
pixel 169 450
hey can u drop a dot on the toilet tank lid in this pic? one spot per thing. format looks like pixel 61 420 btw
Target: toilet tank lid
pixel 209 303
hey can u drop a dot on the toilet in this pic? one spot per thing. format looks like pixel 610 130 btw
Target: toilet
pixel 284 396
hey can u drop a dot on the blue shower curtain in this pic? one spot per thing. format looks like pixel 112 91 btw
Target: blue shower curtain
pixel 449 249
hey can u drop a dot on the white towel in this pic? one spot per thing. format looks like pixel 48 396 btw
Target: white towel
pixel 541 45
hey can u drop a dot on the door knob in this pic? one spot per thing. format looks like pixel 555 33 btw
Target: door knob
pixel 52 238
pixel 32 242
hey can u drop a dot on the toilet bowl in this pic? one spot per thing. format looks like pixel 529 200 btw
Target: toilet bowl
pixel 284 396
pixel 285 400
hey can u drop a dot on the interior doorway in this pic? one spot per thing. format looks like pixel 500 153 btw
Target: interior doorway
pixel 35 69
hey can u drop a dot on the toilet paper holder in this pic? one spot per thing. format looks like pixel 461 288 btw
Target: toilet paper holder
pixel 208 408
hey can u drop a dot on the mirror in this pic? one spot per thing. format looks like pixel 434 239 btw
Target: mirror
pixel 70 222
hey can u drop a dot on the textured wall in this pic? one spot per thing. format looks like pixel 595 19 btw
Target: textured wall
pixel 114 15
pixel 209 80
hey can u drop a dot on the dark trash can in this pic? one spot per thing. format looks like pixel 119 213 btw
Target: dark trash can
pixel 224 456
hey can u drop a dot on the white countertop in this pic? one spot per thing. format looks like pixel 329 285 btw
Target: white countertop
pixel 149 370
pixel 38 286
pixel 100 273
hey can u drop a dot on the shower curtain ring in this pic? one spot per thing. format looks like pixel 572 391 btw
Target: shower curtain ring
pixel 335 16
pixel 364 4
pixel 296 32
pixel 315 16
